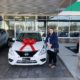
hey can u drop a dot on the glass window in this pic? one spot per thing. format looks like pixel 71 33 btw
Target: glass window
pixel 1 22
pixel 29 23
pixel 63 29
pixel 41 17
pixel 42 27
pixel 74 34
pixel 53 24
pixel 75 26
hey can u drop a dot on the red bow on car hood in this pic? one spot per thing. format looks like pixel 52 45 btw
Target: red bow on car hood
pixel 27 42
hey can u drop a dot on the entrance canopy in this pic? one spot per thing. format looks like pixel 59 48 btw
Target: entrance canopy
pixel 73 9
pixel 33 7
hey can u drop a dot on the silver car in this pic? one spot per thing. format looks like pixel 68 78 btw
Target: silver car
pixel 3 37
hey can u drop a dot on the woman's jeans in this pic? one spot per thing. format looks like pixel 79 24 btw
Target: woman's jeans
pixel 52 57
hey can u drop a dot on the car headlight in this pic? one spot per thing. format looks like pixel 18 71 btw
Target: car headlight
pixel 43 50
pixel 11 52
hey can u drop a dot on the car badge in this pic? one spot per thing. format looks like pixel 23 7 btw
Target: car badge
pixel 26 54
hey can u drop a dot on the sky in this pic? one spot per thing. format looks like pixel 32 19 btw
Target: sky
pixel 78 0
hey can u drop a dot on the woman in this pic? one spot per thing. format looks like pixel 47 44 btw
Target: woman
pixel 53 46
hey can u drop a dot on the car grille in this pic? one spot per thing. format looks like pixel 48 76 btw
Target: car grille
pixel 26 54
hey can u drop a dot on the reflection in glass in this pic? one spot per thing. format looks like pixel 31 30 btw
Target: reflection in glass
pixel 74 34
pixel 63 29
pixel 42 27
pixel 0 24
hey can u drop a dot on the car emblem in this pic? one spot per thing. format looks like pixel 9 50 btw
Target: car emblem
pixel 26 54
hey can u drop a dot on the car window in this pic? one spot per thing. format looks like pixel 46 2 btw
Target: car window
pixel 35 36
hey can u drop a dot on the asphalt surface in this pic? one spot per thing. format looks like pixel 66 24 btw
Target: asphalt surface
pixel 13 72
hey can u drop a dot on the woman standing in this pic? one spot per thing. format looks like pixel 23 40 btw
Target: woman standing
pixel 53 46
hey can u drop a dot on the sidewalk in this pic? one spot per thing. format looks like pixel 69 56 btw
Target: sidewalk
pixel 70 60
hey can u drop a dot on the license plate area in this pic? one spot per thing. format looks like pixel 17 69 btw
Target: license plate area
pixel 25 59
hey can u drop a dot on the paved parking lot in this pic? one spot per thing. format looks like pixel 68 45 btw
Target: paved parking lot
pixel 7 71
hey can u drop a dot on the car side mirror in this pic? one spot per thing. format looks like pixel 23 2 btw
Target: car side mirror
pixel 13 39
pixel 43 38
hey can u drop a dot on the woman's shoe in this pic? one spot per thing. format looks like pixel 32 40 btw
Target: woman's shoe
pixel 50 65
pixel 53 66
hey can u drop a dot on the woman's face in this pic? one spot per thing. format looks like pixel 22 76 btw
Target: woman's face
pixel 50 31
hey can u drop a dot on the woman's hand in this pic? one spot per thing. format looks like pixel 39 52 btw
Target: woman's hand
pixel 49 45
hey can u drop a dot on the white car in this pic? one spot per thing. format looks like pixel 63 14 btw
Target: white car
pixel 28 54
pixel 3 37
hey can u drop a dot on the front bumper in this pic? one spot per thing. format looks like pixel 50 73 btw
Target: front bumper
pixel 35 60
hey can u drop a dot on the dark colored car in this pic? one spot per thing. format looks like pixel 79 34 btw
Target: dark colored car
pixel 11 34
pixel 77 47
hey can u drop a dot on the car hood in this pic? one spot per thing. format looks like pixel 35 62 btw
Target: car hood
pixel 18 45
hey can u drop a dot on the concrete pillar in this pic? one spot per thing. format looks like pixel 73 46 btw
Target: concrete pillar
pixel 4 24
pixel 36 24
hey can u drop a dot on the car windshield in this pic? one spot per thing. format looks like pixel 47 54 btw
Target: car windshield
pixel 35 36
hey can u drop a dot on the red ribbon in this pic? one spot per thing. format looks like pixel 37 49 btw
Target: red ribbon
pixel 29 42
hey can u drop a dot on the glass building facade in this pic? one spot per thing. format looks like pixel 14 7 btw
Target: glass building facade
pixel 67 27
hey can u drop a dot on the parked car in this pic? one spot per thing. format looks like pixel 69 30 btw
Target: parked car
pixel 77 47
pixel 63 34
pixel 3 37
pixel 28 49
pixel 11 34
pixel 74 34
